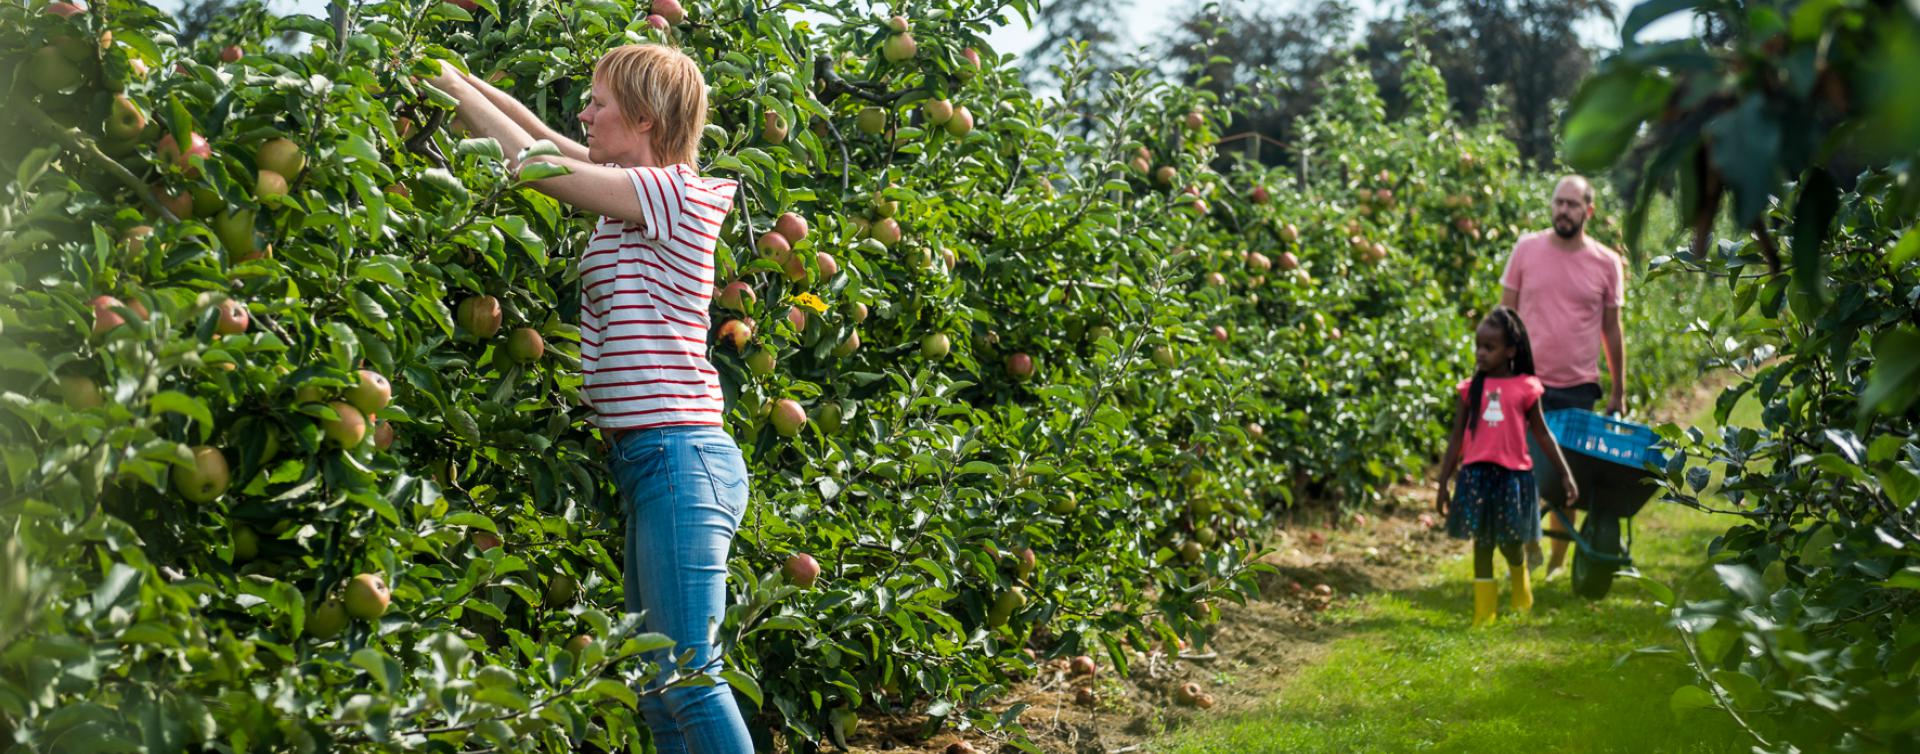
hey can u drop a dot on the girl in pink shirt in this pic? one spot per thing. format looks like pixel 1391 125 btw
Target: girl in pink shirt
pixel 1495 502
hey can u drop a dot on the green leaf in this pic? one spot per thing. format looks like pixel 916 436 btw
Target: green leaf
pixel 1901 486
pixel 464 425
pixel 1745 689
pixel 1906 578
pixel 1688 699
pixel 1746 148
pixel 1743 581
pixel 185 405
pixel 1894 381
pixel 383 668
pixel 357 147
pixel 745 684
pixel 615 690
pixel 1906 249
pixel 542 148
pixel 488 148
pixel 1647 13
pixel 1607 112
pixel 1660 592
pixel 538 171
pixel 470 519
pixel 1812 215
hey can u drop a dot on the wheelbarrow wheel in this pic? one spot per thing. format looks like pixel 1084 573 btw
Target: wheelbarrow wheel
pixel 1599 555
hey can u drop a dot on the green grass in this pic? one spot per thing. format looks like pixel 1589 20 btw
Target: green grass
pixel 1407 674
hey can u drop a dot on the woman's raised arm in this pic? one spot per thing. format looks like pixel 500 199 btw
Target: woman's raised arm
pixel 594 188
pixel 525 118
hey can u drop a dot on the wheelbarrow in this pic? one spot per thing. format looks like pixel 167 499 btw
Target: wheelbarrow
pixel 1616 464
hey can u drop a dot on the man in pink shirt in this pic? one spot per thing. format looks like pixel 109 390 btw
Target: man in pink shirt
pixel 1568 289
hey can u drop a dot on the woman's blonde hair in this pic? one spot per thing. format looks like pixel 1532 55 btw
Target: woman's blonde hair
pixel 660 84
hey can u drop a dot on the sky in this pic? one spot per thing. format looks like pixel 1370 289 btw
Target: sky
pixel 1146 18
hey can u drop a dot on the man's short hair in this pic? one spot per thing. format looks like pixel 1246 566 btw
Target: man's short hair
pixel 1586 186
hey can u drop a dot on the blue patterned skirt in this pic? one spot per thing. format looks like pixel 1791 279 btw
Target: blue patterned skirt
pixel 1494 505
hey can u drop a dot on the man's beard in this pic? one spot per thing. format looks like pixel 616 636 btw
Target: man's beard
pixel 1566 228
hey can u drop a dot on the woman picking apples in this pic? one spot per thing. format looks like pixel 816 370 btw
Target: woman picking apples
pixel 646 280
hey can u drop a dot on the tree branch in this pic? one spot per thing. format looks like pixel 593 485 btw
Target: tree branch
pixel 86 148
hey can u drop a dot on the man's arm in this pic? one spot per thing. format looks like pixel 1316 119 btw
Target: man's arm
pixel 525 118
pixel 594 188
pixel 1510 298
pixel 1614 343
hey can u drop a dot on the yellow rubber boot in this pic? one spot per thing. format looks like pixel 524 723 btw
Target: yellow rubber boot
pixel 1486 597
pixel 1522 591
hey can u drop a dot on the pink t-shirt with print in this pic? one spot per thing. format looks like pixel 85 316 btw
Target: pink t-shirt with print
pixel 1501 436
pixel 1564 296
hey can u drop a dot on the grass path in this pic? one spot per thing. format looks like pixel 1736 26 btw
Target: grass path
pixel 1407 674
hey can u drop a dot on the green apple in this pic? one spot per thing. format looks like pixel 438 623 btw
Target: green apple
pixel 50 71
pixel 802 570
pixel 349 430
pixel 561 589
pixel 871 120
pixel 246 544
pixel 961 123
pixel 788 417
pixel 309 394
pixel 1019 366
pixel 479 315
pixel 899 48
pixel 828 417
pixel 371 393
pixel 848 346
pixel 233 318
pixel 79 392
pixel 367 596
pixel 737 332
pixel 738 295
pixel 761 362
pixel 234 228
pixel 935 346
pixel 484 540
pixel 281 156
pixel 578 644
pixel 1005 605
pixel 382 434
pixel 328 619
pixel 886 230
pixel 774 128
pixel 269 185
pixel 1023 563
pixel 938 111
pixel 525 346
pixel 197 146
pixel 206 479
pixel 124 120
pixel 792 226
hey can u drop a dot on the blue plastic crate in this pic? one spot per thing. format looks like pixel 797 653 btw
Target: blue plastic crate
pixel 1608 439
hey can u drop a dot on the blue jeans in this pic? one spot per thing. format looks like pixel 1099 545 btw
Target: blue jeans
pixel 684 490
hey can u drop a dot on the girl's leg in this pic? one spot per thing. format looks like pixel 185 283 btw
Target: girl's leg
pixel 1486 594
pixel 1522 581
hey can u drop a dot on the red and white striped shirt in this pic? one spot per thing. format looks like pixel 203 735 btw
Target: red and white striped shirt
pixel 644 293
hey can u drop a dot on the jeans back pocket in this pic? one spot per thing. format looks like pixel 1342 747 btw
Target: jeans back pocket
pixel 727 471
